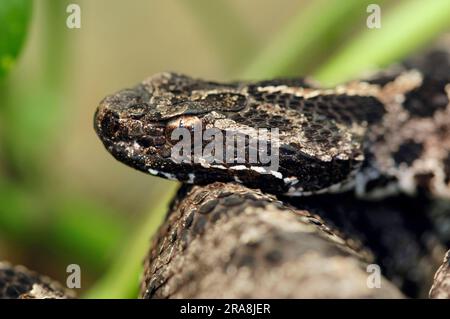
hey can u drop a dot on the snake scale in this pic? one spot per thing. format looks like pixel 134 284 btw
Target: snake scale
pixel 309 227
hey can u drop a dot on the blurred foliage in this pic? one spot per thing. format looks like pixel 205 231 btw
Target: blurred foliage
pixel 19 215
pixel 14 19
pixel 122 278
pixel 406 27
pixel 308 38
pixel 224 29
pixel 326 37
pixel 92 230
pixel 74 226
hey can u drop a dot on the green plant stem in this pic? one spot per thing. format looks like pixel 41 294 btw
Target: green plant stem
pixel 317 29
pixel 405 28
pixel 122 278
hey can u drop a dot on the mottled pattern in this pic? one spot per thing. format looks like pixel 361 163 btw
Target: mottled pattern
pixel 441 285
pixel 17 282
pixel 400 231
pixel 394 126
pixel 226 240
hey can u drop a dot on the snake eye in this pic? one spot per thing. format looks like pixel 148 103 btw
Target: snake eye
pixel 181 126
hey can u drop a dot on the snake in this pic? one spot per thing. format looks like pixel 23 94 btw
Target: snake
pixel 380 137
pixel 18 282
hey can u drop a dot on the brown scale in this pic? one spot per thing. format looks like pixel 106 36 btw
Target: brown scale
pixel 17 282
pixel 225 240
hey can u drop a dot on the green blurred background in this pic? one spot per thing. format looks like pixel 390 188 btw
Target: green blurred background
pixel 63 198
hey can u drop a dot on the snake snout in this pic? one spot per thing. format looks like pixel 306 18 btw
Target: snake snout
pixel 106 123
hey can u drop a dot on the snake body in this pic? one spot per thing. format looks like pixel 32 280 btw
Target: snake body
pixel 18 282
pixel 441 285
pixel 227 240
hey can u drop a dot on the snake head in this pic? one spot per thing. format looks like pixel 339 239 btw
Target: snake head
pixel 314 149
pixel 136 124
pixel 163 98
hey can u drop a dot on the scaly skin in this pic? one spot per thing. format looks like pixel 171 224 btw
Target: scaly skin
pixel 229 241
pixel 17 282
pixel 441 285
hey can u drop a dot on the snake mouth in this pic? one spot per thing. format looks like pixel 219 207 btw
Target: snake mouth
pixel 131 134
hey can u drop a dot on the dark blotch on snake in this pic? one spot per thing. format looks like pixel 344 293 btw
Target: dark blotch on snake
pixel 408 152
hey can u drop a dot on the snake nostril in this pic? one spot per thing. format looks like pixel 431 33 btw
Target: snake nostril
pixel 109 125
